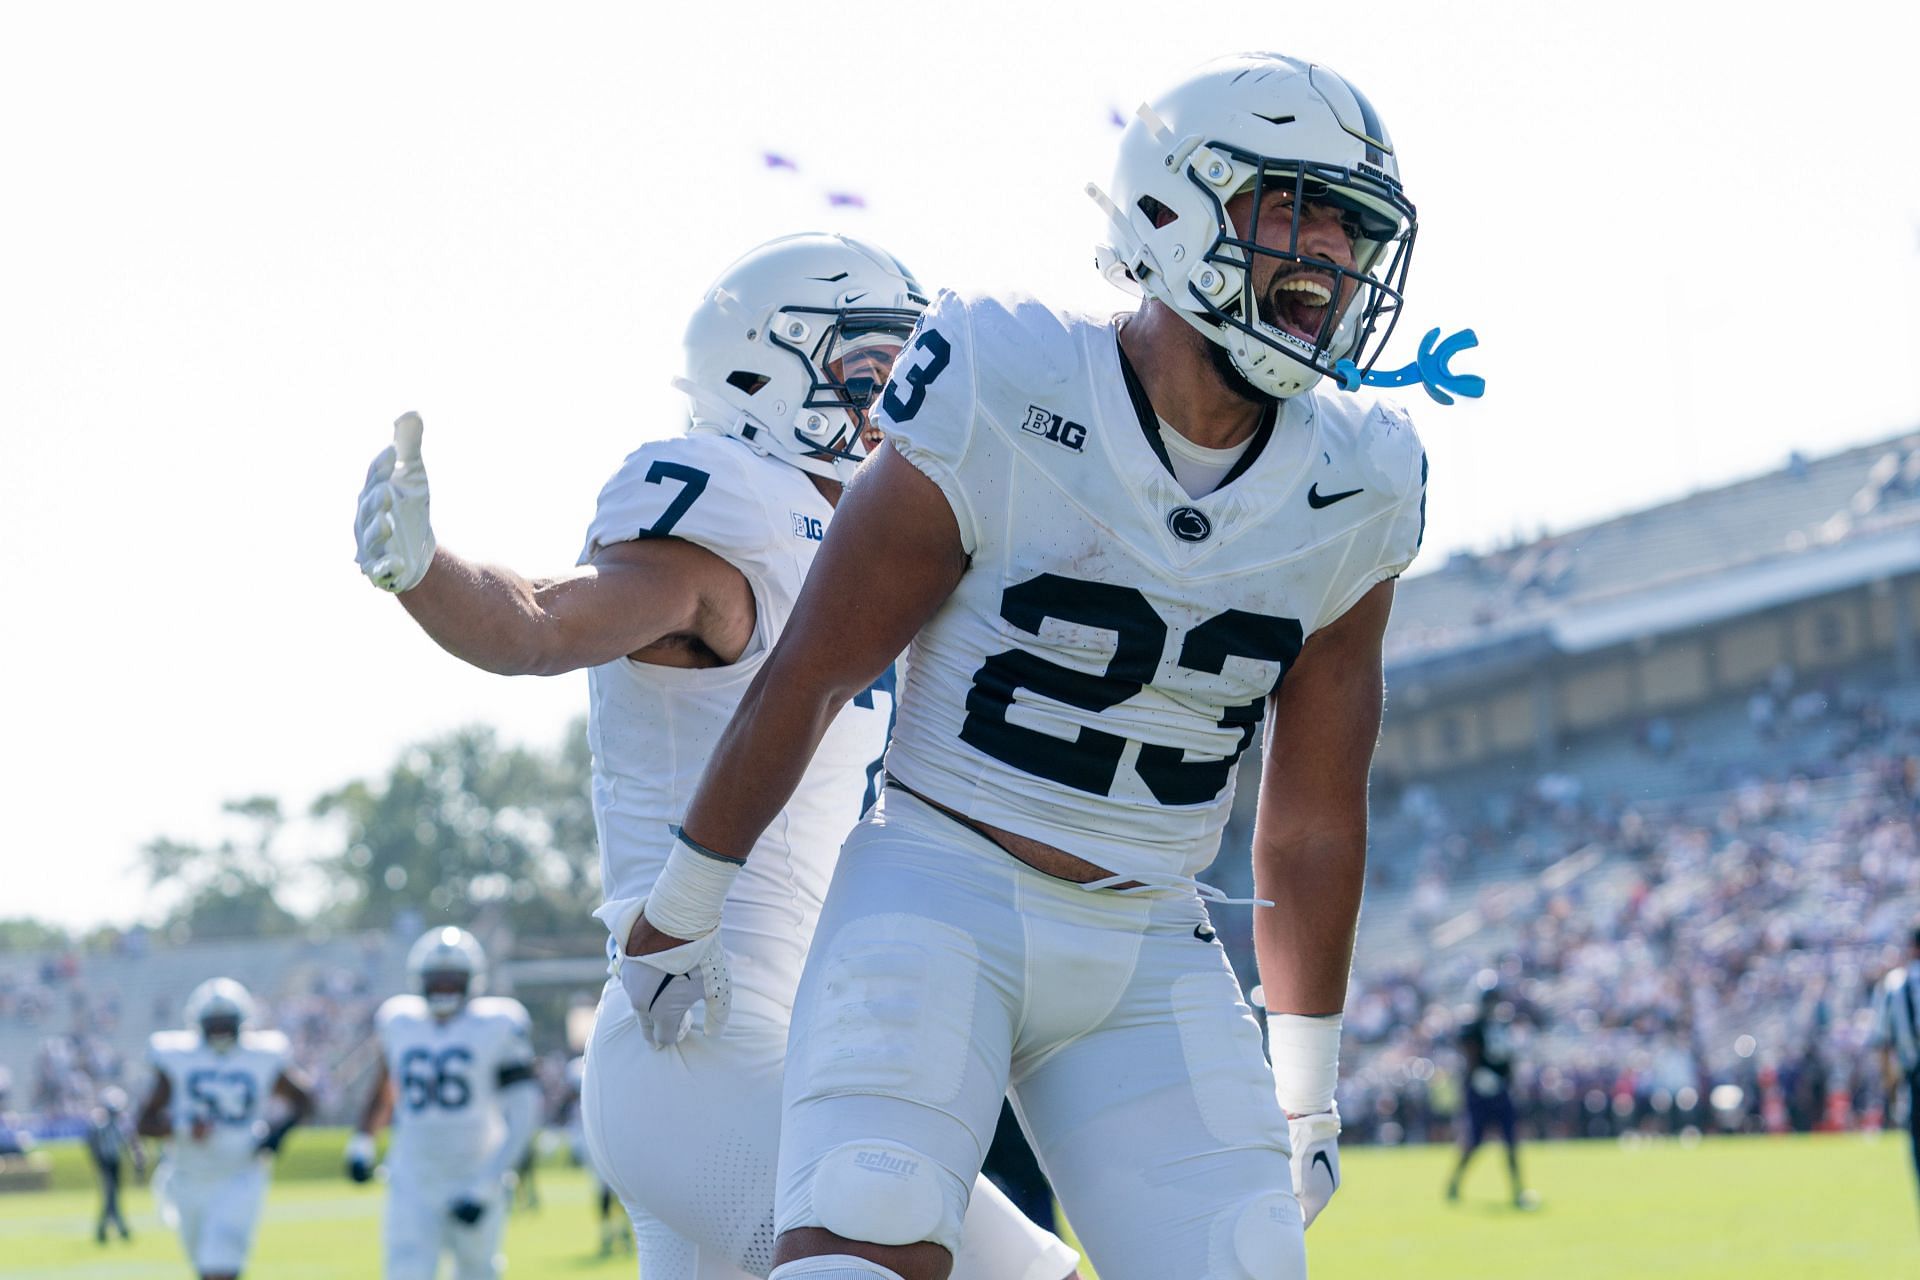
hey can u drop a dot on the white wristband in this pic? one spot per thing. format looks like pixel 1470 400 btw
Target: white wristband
pixel 686 899
pixel 1306 1061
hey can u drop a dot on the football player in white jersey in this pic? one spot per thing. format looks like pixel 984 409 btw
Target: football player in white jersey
pixel 225 1096
pixel 456 1080
pixel 692 563
pixel 1108 541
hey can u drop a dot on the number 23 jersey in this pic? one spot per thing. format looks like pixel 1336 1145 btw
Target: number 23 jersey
pixel 1108 654
pixel 447 1078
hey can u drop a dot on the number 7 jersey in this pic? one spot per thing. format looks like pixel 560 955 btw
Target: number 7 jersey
pixel 1108 654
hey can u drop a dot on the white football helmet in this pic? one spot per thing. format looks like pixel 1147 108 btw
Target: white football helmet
pixel 792 344
pixel 446 966
pixel 1262 122
pixel 219 1007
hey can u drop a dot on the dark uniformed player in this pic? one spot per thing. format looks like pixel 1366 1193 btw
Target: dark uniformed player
pixel 109 1139
pixel 1896 1030
pixel 1487 1045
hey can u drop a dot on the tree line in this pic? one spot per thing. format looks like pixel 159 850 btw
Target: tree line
pixel 458 829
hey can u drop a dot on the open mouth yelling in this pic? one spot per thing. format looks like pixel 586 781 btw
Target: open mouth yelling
pixel 1297 302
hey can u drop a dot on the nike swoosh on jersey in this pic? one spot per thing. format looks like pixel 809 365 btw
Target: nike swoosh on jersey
pixel 1317 500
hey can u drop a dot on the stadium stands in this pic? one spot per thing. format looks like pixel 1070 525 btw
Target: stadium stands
pixel 76 1021
pixel 1661 774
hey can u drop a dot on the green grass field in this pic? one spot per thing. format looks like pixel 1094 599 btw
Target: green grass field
pixel 1751 1209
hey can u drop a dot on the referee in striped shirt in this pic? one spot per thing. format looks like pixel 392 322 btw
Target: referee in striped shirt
pixel 1897 1032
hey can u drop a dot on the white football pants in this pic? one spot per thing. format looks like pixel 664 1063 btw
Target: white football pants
pixel 420 1227
pixel 215 1214
pixel 686 1136
pixel 945 970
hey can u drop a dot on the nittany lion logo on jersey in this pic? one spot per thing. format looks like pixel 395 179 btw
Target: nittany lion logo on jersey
pixel 1189 524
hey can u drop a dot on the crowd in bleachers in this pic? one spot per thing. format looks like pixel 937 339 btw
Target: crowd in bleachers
pixel 1702 963
pixel 70 1010
pixel 1701 960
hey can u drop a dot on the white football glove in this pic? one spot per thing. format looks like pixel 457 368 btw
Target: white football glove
pixel 1485 1081
pixel 664 987
pixel 394 537
pixel 1316 1160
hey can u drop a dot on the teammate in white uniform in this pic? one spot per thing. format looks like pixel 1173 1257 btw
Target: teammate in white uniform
pixel 692 563
pixel 456 1079
pixel 213 1086
pixel 1108 542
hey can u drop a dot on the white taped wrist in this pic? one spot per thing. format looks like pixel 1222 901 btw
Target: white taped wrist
pixel 1306 1061
pixel 686 899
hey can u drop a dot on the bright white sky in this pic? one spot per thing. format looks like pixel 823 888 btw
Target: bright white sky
pixel 241 238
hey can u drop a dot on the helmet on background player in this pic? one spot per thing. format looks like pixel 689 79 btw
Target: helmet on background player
pixel 793 343
pixel 219 1007
pixel 446 966
pixel 1261 123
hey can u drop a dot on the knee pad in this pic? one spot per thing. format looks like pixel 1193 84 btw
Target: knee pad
pixel 836 1266
pixel 884 1193
pixel 1261 1239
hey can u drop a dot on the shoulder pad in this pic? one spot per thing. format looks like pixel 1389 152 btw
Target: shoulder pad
pixel 1378 437
pixel 709 489
pixel 502 1009
pixel 166 1044
pixel 399 1008
pixel 272 1043
pixel 1020 343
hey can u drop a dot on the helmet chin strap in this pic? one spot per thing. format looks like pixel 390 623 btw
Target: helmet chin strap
pixel 710 408
pixel 1221 359
pixel 1236 381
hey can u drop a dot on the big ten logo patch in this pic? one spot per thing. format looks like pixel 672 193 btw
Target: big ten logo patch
pixel 1051 426
pixel 812 528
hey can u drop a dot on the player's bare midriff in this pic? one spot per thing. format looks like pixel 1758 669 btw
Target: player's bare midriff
pixel 1039 855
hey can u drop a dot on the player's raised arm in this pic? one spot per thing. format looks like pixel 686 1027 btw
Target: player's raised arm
pixel 631 595
pixel 1310 860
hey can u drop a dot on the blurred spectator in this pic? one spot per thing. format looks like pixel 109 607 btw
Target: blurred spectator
pixel 1704 964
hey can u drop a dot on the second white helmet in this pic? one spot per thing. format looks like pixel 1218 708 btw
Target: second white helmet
pixel 219 1007
pixel 1261 123
pixel 794 341
pixel 446 965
